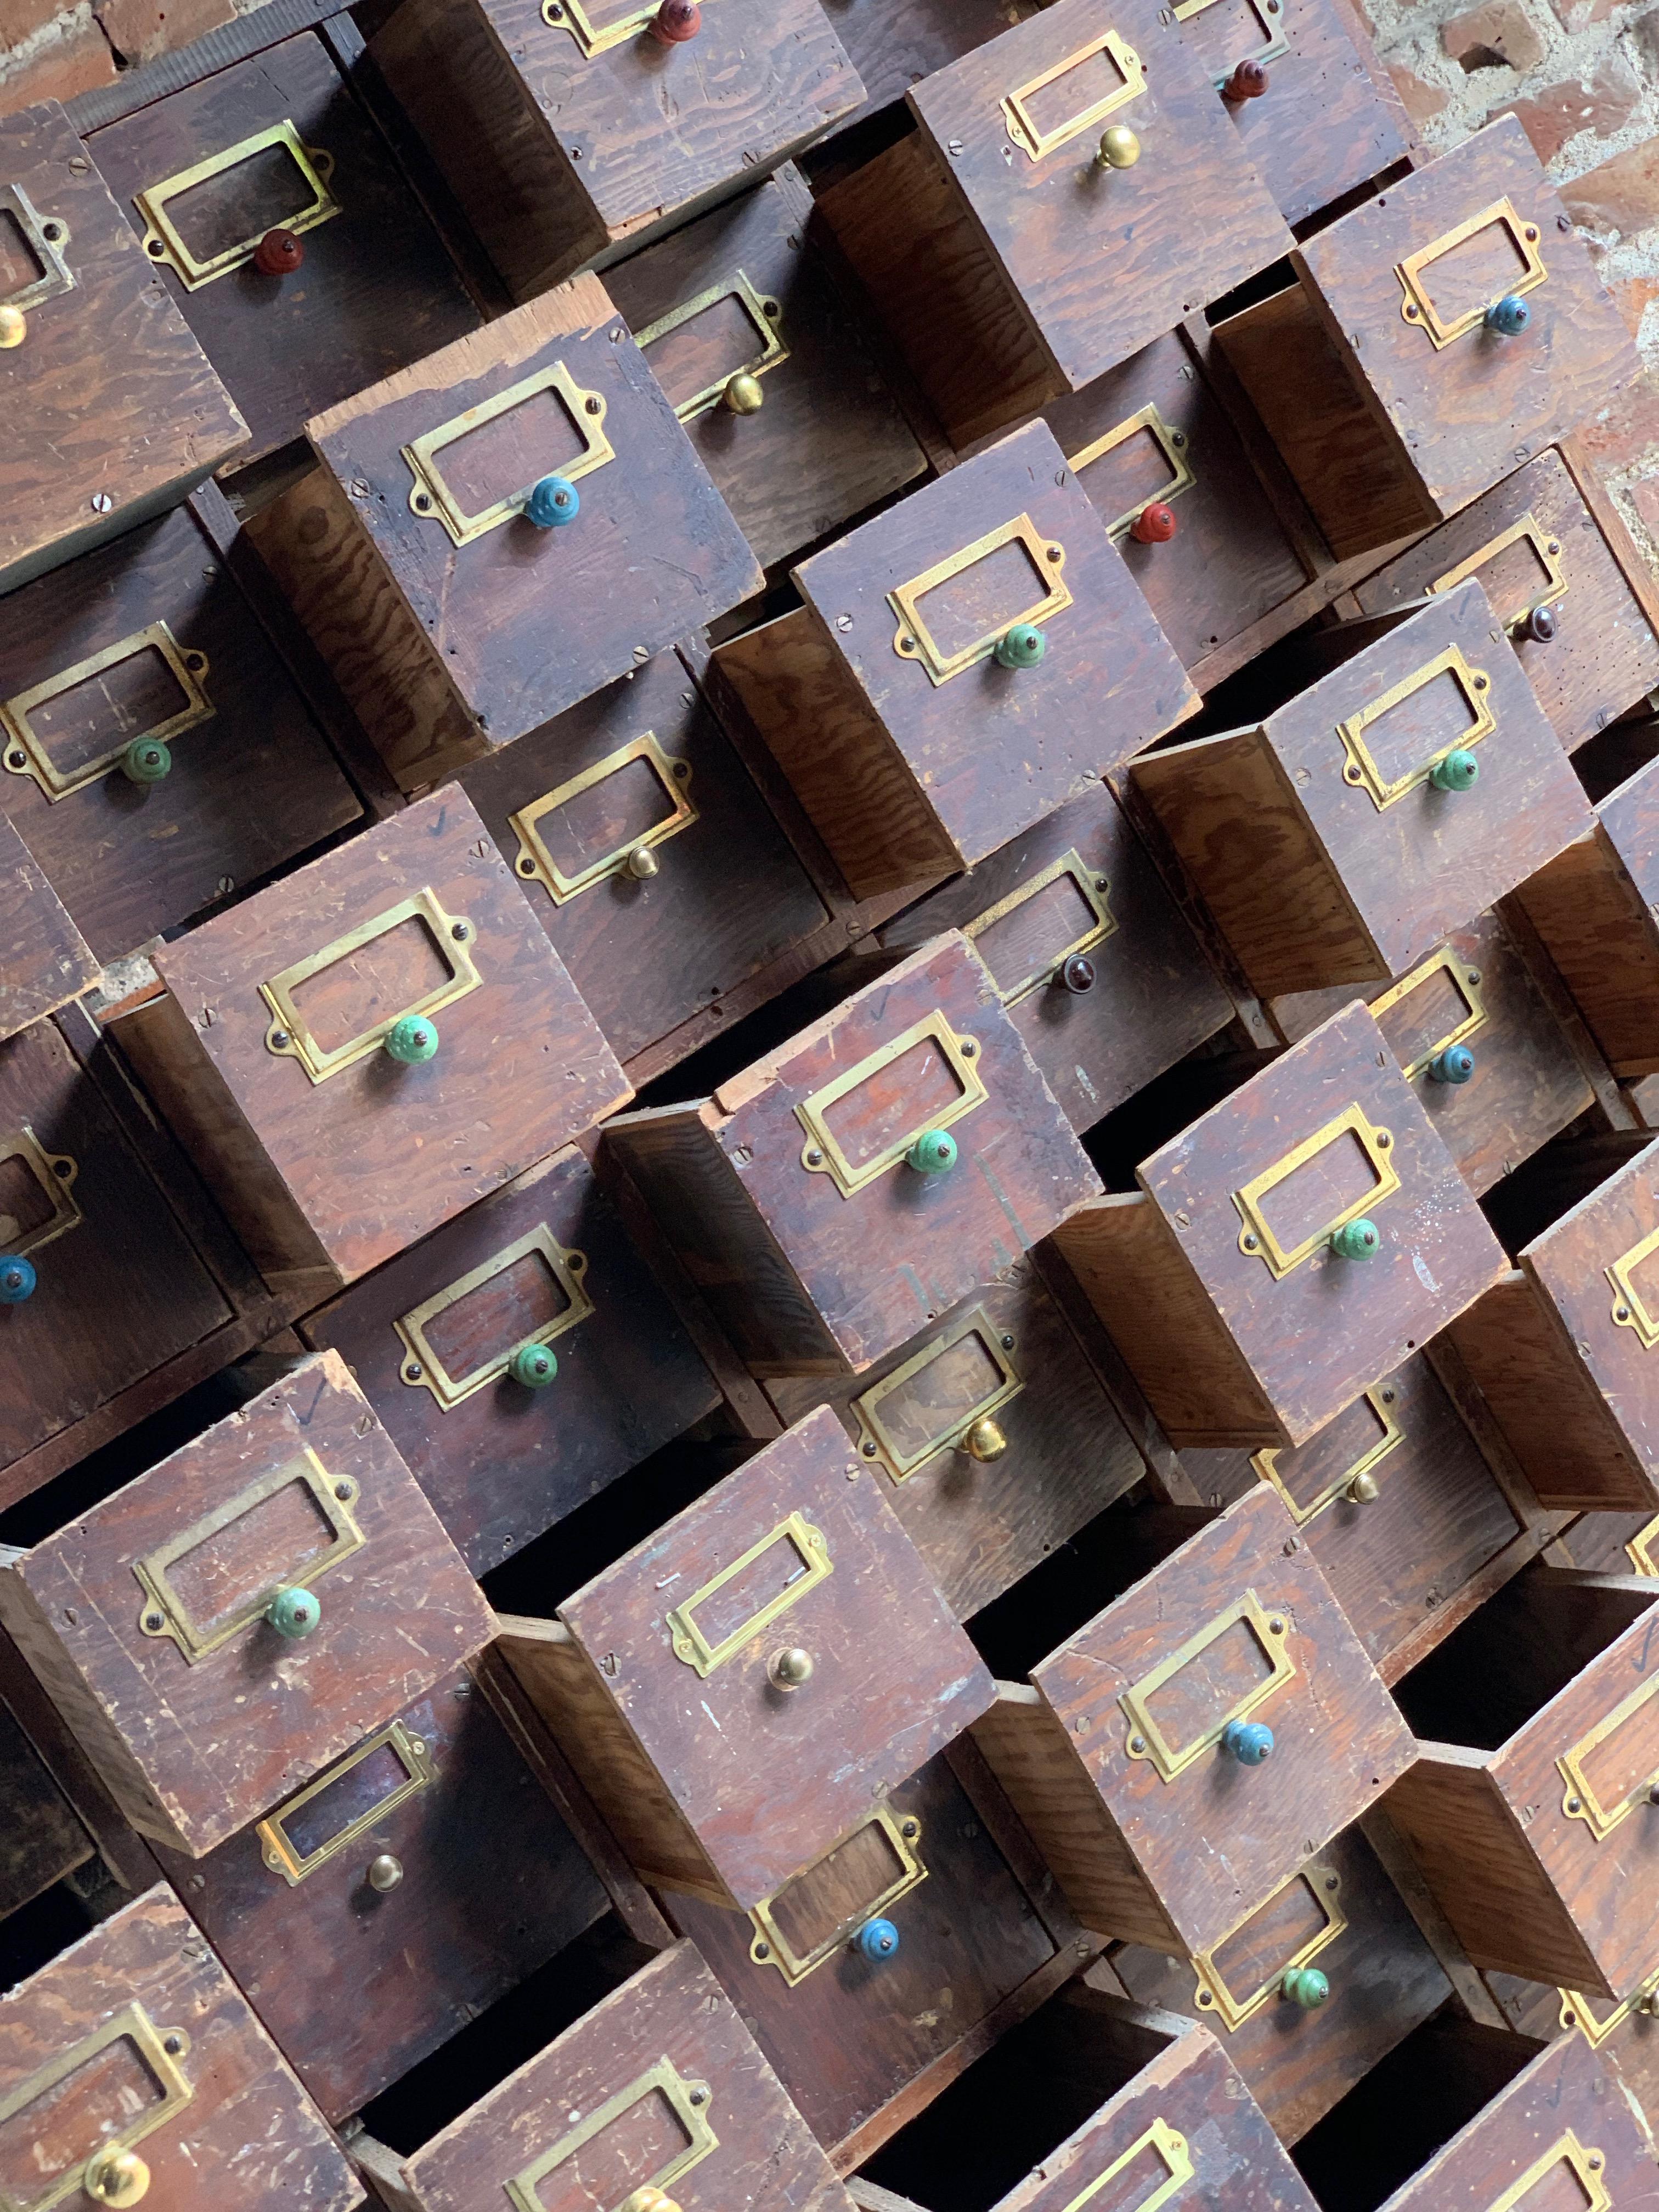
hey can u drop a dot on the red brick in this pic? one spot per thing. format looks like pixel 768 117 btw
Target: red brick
pixel 19 18
pixel 1621 194
pixel 1498 27
pixel 1420 100
pixel 1644 498
pixel 1560 111
pixel 1579 14
pixel 62 69
pixel 141 29
pixel 1631 297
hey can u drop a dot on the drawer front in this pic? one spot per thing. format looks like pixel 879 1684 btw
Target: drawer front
pixel 45 960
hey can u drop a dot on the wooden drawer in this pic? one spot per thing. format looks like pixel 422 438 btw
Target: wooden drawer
pixel 44 962
pixel 994 1432
pixel 89 452
pixel 150 639
pixel 746 292
pixel 643 768
pixel 1390 434
pixel 1535 545
pixel 667 2090
pixel 431 1339
pixel 271 1047
pixel 360 1917
pixel 1316 834
pixel 790 1196
pixel 1011 265
pixel 1217 1279
pixel 1080 885
pixel 409 553
pixel 667 1681
pixel 279 143
pixel 968 1935
pixel 173 2076
pixel 148 1619
pixel 41 1839
pixel 894 43
pixel 1124 1755
pixel 1339 1917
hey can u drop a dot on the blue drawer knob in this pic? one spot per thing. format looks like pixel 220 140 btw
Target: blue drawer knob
pixel 933 1151
pixel 1247 1742
pixel 554 503
pixel 1455 1065
pixel 146 760
pixel 1509 316
pixel 1022 647
pixel 294 1614
pixel 1305 1986
pixel 876 1941
pixel 534 1366
pixel 1459 771
pixel 17 1280
pixel 411 1041
pixel 1355 1240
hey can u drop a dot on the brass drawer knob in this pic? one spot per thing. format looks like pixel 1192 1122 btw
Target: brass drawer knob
pixel 1362 1491
pixel 1356 1240
pixel 534 1365
pixel 1119 149
pixel 985 1440
pixel 146 760
pixel 278 253
pixel 17 1279
pixel 116 2177
pixel 1305 1986
pixel 1507 317
pixel 384 1872
pixel 642 864
pixel 13 328
pixel 1155 524
pixel 1248 82
pixel 411 1042
pixel 648 2200
pixel 294 1614
pixel 676 21
pixel 554 502
pixel 1538 624
pixel 788 1668
pixel 1459 771
pixel 743 394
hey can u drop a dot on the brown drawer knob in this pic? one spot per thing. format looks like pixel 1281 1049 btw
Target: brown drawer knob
pixel 676 21
pixel 1248 82
pixel 1155 524
pixel 13 328
pixel 788 1668
pixel 1538 624
pixel 1119 149
pixel 278 253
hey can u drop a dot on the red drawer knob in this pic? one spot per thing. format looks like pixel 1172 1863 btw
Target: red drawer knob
pixel 676 21
pixel 1248 82
pixel 278 253
pixel 1155 524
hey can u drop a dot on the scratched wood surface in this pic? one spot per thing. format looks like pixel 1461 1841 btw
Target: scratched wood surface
pixel 45 960
pixel 894 43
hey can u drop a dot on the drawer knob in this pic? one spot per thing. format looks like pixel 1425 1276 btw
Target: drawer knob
pixel 116 2177
pixel 1355 1240
pixel 642 864
pixel 554 502
pixel 788 1668
pixel 742 394
pixel 1155 524
pixel 1305 1986
pixel 648 2200
pixel 278 253
pixel 985 1440
pixel 13 328
pixel 1508 317
pixel 1455 1065
pixel 1119 149
pixel 1022 647
pixel 294 1614
pixel 1362 1491
pixel 146 760
pixel 1538 624
pixel 676 21
pixel 17 1280
pixel 412 1041
pixel 534 1366
pixel 876 1941
pixel 1248 82
pixel 1459 771
pixel 933 1151
pixel 1247 1742
pixel 384 1872
pixel 1077 974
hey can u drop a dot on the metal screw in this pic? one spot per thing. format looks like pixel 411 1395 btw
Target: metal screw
pixel 280 1040
pixel 1383 1141
pixel 1621 1313
pixel 154 1622
pixel 1137 1743
pixel 173 2044
pixel 1248 1242
pixel 413 1371
pixel 1276 1625
pixel 343 1491
pixel 1007 1343
pixel 1574 1805
pixel 101 502
pixel 461 931
pixel 909 1829
pixel 1387 1397
pixel 699 2095
pixel 969 1047
pixel 814 1157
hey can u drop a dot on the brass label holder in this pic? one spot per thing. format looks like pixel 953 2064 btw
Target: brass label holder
pixel 1466 981
pixel 422 1368
pixel 1630 1309
pixel 770 1947
pixel 1213 1996
pixel 1171 443
pixel 163 242
pixel 536 864
pixel 1418 309
pixel 823 1155
pixel 431 496
pixel 158 2051
pixel 913 641
pixel 1090 887
pixel 55 1172
pixel 763 312
pixel 1266 1463
pixel 284 1857
pixel 867 1409
pixel 813 1566
pixel 685 2097
pixel 593 39
pixel 1037 144
pixel 1579 1801
pixel 45 237
pixel 1172 2152
pixel 1269 1632
pixel 1275 49
pixel 1546 549
pixel 1640 1549
pixel 23 750
pixel 1257 1238
pixel 1565 2150
pixel 290 1035
pixel 164 1612
pixel 1360 768
pixel 1577 2011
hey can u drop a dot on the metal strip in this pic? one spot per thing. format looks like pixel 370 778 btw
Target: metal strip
pixel 1266 1463
pixel 423 1368
pixel 162 239
pixel 1588 2169
pixel 572 15
pixel 1278 46
pixel 164 1612
pixel 1259 1240
pixel 1577 2011
pixel 768 1946
pixel 289 1036
pixel 1038 144
pixel 1580 1802
pixel 1091 889
pixel 25 750
pixel 1466 981
pixel 685 2096
pixel 1178 2169
pixel 431 498
pixel 1547 551
pixel 159 2050
pixel 867 1410
pixel 813 1551
pixel 1418 309
pixel 536 864
pixel 283 1856
pixel 45 237
pixel 823 1155
pixel 1170 442
pixel 1213 1995
pixel 1639 1550
pixel 1630 1309
pixel 912 640
pixel 1361 767
pixel 762 311
pixel 1143 1731
pixel 55 1172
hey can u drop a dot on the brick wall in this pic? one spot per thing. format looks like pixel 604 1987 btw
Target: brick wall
pixel 49 51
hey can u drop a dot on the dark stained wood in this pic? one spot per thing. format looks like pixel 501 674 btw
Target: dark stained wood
pixel 40 1838
pixel 123 1850
pixel 806 1281
pixel 215 49
pixel 327 1180
pixel 44 962
pixel 172 1737
pixel 506 1462
pixel 248 2140
pixel 894 43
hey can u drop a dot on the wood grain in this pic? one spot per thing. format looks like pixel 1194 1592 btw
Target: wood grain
pixel 44 962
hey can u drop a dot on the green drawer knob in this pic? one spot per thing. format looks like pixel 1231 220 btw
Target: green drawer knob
pixel 411 1041
pixel 552 502
pixel 294 1614
pixel 534 1365
pixel 1022 647
pixel 1251 1742
pixel 1355 1240
pixel 17 1279
pixel 1305 1986
pixel 1459 771
pixel 146 760
pixel 933 1151
pixel 1455 1065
